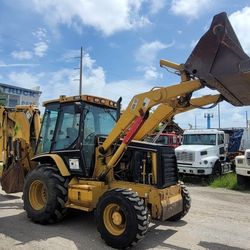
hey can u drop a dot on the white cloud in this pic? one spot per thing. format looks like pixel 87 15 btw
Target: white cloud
pixel 126 89
pixel 190 8
pixel 147 53
pixel 24 79
pixel 40 49
pixel 40 34
pixel 88 61
pixel 146 57
pixel 106 16
pixel 156 5
pixel 151 73
pixel 239 21
pixel 70 55
pixel 22 55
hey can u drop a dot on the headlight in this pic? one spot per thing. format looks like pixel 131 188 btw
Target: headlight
pixel 205 162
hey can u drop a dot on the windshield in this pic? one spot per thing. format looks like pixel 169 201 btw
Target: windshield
pixel 98 120
pixel 199 139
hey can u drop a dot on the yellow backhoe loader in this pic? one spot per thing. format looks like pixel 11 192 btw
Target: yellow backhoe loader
pixel 19 131
pixel 88 159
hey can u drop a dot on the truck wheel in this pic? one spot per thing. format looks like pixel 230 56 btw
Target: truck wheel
pixel 122 218
pixel 241 180
pixel 217 170
pixel 186 204
pixel 45 194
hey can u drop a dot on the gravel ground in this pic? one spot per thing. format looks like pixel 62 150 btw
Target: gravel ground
pixel 218 219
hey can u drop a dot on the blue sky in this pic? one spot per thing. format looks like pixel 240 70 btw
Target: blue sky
pixel 123 41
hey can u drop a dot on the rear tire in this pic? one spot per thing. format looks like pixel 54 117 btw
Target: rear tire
pixel 122 218
pixel 186 204
pixel 45 194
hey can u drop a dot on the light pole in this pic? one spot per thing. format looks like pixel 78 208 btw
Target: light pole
pixel 219 115
pixel 208 116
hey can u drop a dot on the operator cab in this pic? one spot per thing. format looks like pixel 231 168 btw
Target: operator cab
pixel 70 126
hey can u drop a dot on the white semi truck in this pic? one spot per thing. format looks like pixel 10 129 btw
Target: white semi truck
pixel 204 152
pixel 242 163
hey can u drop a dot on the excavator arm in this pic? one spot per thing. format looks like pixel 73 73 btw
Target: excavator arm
pixel 218 62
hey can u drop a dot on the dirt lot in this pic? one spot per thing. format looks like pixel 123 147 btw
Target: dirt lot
pixel 218 219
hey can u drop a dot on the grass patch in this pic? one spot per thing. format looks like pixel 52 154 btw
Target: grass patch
pixel 197 180
pixel 228 181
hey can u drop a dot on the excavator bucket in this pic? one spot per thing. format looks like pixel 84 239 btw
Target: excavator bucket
pixel 219 61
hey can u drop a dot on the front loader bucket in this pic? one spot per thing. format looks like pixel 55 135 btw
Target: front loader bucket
pixel 219 61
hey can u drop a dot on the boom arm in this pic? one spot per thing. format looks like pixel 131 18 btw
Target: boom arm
pixel 137 112
pixel 218 61
pixel 141 104
pixel 166 112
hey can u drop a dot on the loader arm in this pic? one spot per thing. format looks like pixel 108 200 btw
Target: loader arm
pixel 165 112
pixel 217 61
pixel 136 114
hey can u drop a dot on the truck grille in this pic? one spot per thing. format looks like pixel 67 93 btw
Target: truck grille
pixel 248 158
pixel 185 156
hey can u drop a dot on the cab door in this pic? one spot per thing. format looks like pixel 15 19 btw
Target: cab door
pixel 67 140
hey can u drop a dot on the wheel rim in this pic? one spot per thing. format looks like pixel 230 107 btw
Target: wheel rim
pixel 38 195
pixel 114 219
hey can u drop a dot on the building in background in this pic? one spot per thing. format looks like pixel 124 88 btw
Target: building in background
pixel 11 95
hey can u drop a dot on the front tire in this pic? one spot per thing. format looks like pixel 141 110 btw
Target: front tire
pixel 186 204
pixel 241 180
pixel 122 218
pixel 45 194
pixel 217 169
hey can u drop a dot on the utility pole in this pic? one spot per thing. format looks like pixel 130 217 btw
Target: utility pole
pixel 80 68
pixel 80 83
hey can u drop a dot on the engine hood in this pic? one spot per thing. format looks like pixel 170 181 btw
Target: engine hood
pixel 194 148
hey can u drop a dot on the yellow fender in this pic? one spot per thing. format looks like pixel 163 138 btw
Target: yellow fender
pixel 48 158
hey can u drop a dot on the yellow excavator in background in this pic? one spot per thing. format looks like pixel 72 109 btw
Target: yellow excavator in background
pixel 89 158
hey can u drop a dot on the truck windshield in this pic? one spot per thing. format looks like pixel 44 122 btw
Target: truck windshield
pixel 199 139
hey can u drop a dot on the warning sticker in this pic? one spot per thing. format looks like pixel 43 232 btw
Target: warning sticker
pixel 134 104
pixel 74 164
pixel 146 102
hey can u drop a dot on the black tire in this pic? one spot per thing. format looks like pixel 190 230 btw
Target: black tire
pixel 130 213
pixel 217 169
pixel 241 180
pixel 186 204
pixel 45 194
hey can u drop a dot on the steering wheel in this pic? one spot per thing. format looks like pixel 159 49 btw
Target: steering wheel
pixel 89 138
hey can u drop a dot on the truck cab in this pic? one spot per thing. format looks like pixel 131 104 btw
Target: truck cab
pixel 202 152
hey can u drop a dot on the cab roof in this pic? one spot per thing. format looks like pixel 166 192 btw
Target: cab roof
pixel 86 98
pixel 203 131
